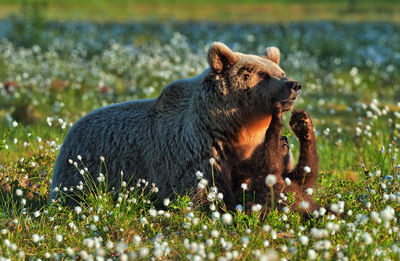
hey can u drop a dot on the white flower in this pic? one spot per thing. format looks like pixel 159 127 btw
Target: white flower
pixel 305 204
pixel 335 207
pixel 256 208
pixel 304 240
pixel 84 255
pixel 288 181
pixel 166 202
pixel 78 210
pixel 35 238
pixel 245 241
pixel 79 157
pixel 36 213
pixel 69 251
pixel 215 215
pixel 227 218
pixel 307 169
pixel 312 255
pixel 199 175
pixel 202 184
pixel 102 158
pixel 367 238
pixel 59 238
pixel 270 180
pixel 212 161
pixel 121 247
pixel 153 212
pixel 137 239
pixel 244 186
pixel 15 124
pixel 309 191
pixel 388 213
pixel 214 233
pixel 19 192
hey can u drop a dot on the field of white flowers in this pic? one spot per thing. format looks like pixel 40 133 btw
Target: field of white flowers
pixel 52 76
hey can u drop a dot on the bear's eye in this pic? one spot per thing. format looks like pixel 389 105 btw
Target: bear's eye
pixel 264 75
pixel 246 76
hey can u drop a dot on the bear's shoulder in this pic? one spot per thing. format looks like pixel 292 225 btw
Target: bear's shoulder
pixel 179 94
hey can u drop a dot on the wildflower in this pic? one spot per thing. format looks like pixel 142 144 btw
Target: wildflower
pixel 256 208
pixel 270 180
pixel 305 204
pixel 84 255
pixel 312 255
pixel 36 213
pixel 227 218
pixel 199 174
pixel 144 251
pixel 143 221
pixel 102 158
pixel 244 186
pixel 19 192
pixel 59 238
pixel 214 233
pixel 310 191
pixel 288 181
pixel 307 169
pixel 212 161
pixel 78 210
pixel 110 244
pixel 202 184
pixel 153 212
pixel 388 213
pixel 303 240
pixel 35 238
pixel 70 251
pixel 367 238
pixel 245 241
pixel 215 215
pixel 79 157
pixel 121 247
pixel 166 202
pixel 15 124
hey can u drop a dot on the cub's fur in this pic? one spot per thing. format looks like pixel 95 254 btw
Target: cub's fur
pixel 273 157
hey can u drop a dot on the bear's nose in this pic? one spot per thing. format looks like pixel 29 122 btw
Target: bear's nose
pixel 295 86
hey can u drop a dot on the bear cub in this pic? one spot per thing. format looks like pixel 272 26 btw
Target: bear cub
pixel 273 157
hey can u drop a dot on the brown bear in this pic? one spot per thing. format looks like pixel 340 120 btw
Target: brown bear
pixel 222 114
pixel 273 157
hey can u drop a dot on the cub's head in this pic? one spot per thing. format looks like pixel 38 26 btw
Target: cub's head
pixel 250 82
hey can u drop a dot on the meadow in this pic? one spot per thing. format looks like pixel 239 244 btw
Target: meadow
pixel 53 73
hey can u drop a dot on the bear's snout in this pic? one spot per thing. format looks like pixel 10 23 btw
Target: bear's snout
pixel 294 86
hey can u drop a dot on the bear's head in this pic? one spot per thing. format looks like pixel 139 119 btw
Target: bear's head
pixel 250 82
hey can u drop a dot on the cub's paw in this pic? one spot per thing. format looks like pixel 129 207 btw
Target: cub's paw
pixel 301 124
pixel 284 145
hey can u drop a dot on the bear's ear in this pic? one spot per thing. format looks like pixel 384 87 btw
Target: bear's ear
pixel 272 53
pixel 220 57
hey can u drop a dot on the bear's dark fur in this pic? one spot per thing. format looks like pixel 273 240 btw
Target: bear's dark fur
pixel 221 114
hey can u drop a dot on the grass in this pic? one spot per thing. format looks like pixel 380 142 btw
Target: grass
pixel 221 11
pixel 51 77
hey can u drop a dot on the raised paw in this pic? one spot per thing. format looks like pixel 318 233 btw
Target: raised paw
pixel 301 124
